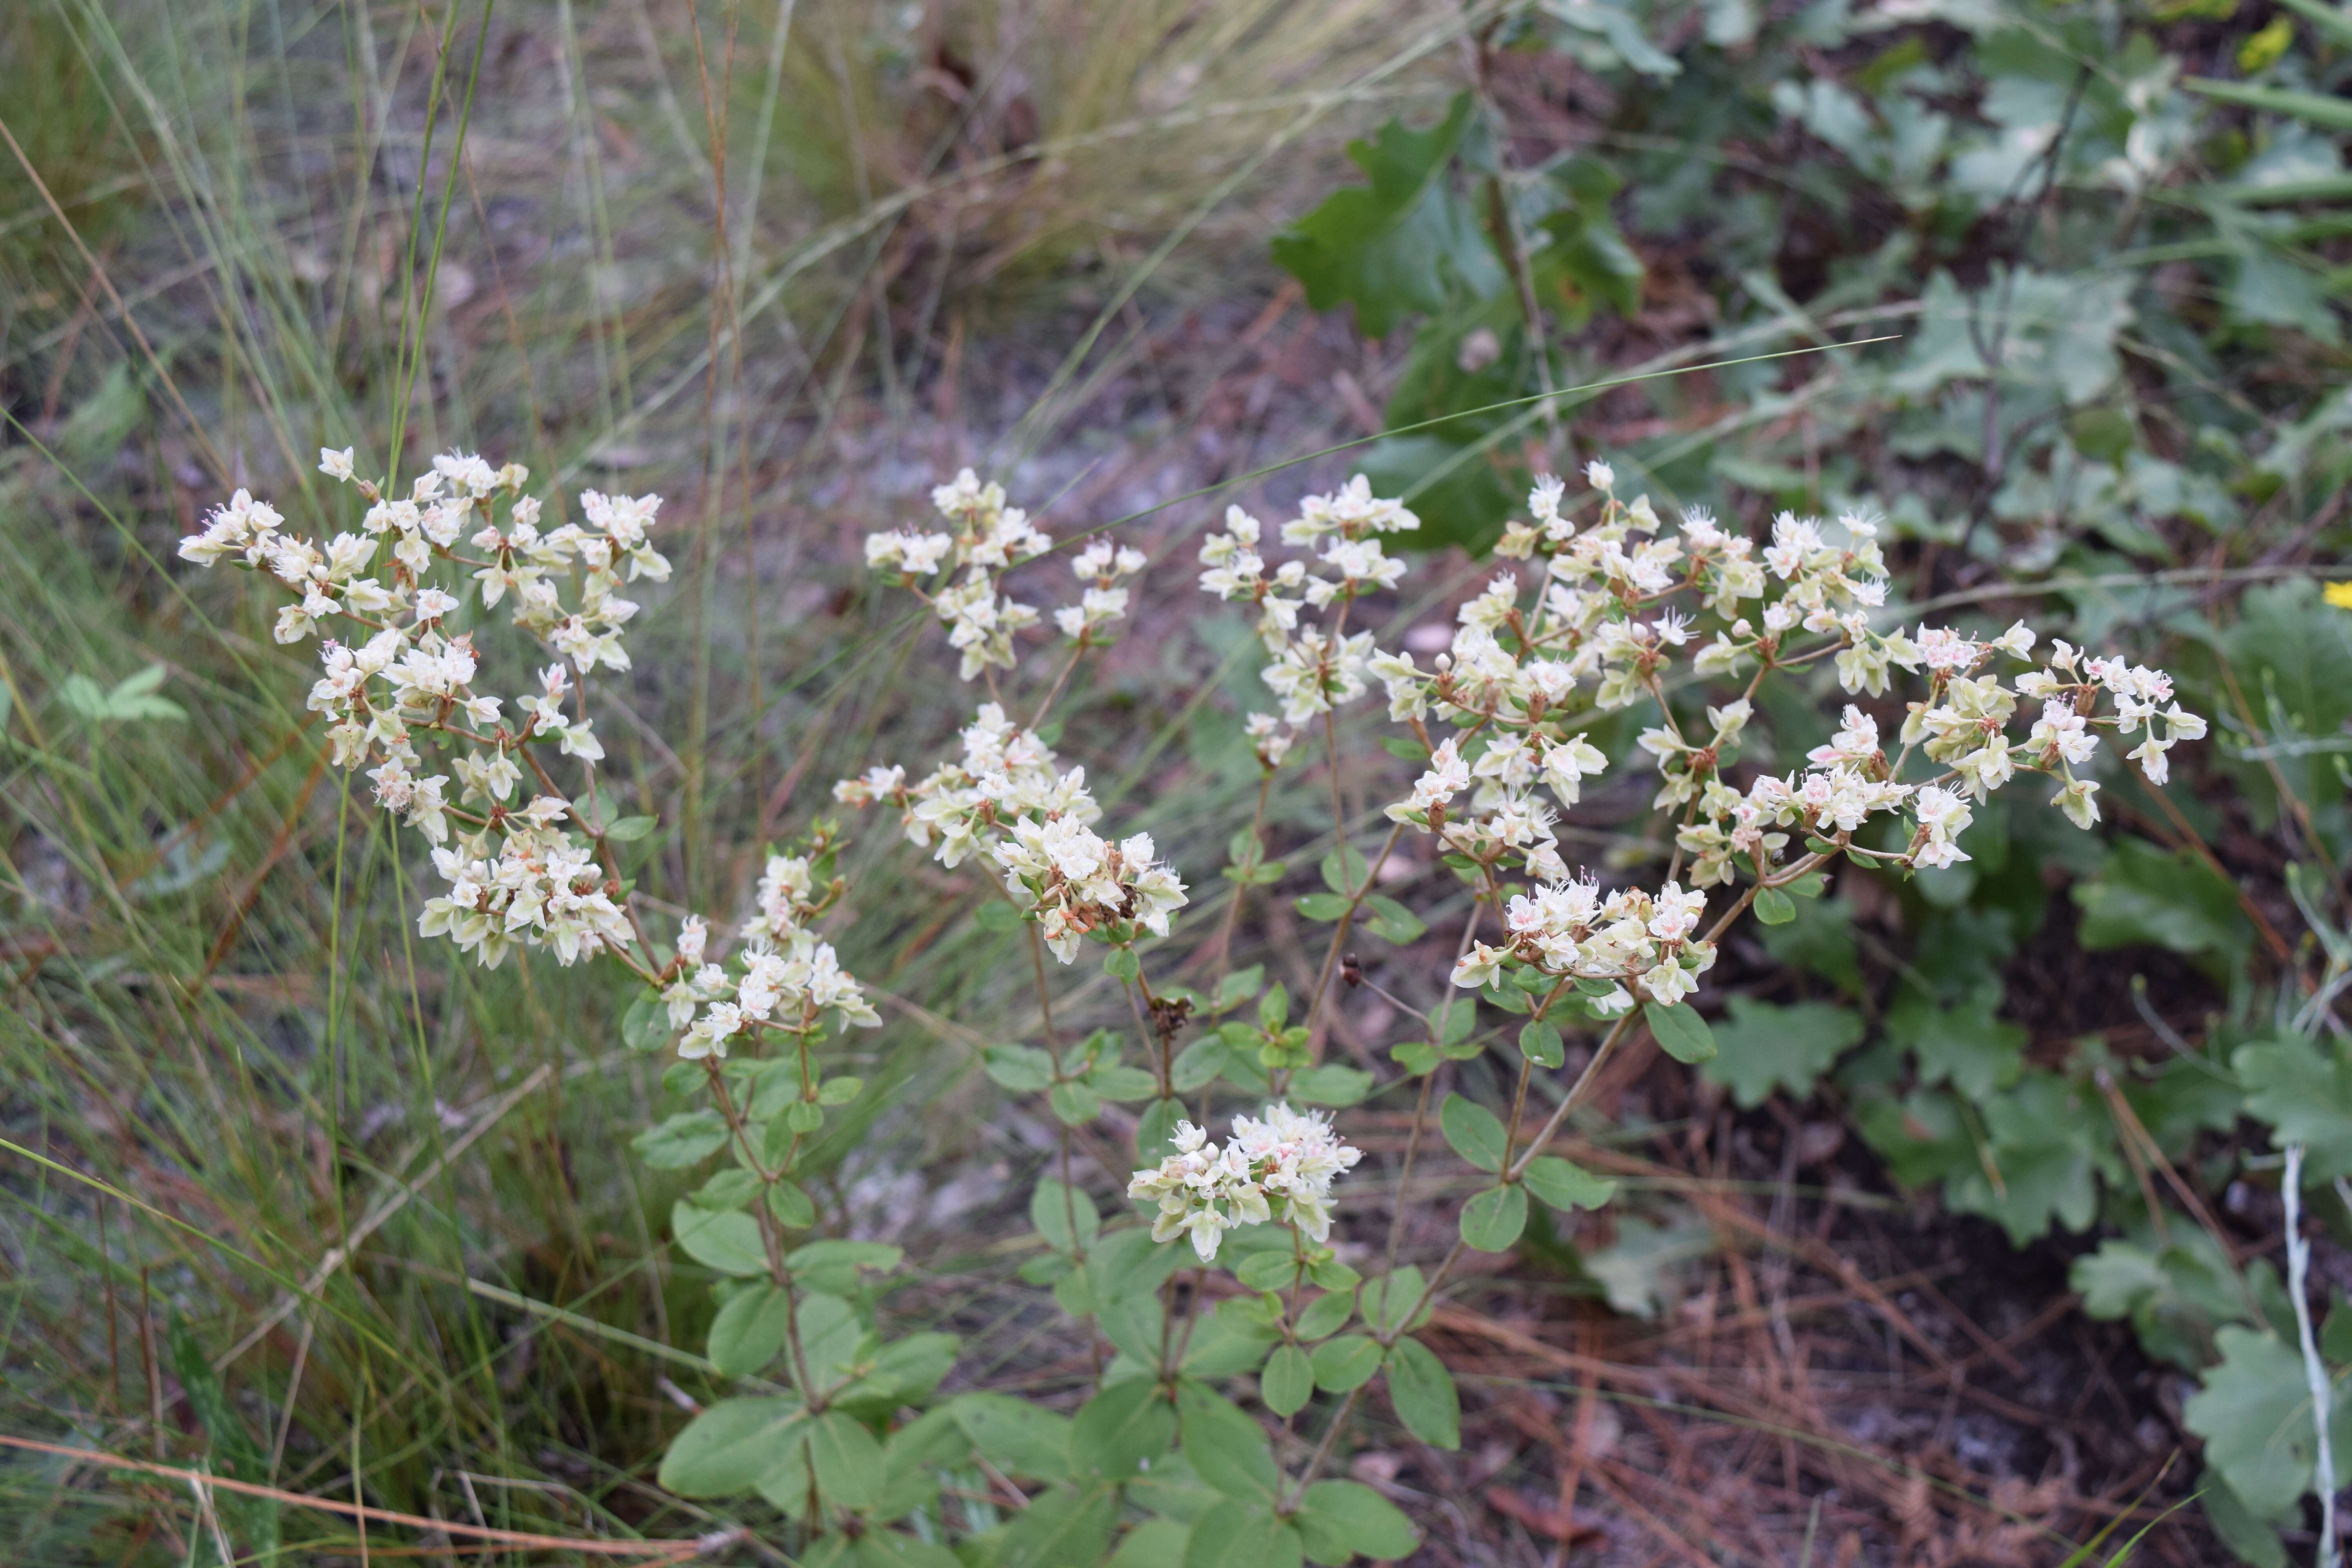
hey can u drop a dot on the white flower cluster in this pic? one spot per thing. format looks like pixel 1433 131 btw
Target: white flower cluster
pixel 1503 816
pixel 783 977
pixel 989 537
pixel 785 985
pixel 327 580
pixel 541 887
pixel 1078 882
pixel 1099 566
pixel 515 876
pixel 1005 773
pixel 1573 929
pixel 1316 669
pixel 2136 690
pixel 1528 670
pixel 1278 1167
pixel 1009 797
pixel 512 876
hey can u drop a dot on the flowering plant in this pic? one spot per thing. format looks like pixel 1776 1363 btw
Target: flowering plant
pixel 1511 724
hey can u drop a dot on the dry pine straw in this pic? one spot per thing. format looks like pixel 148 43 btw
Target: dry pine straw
pixel 1795 1390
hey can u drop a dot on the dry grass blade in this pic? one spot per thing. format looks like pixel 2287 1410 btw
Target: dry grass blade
pixel 644 1551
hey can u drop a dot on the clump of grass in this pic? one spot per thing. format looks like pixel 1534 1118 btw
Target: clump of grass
pixel 216 1006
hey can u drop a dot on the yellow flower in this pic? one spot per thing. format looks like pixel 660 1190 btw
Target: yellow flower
pixel 2339 594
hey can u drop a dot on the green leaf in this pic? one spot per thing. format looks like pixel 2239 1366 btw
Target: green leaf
pixel 728 1189
pixel 1402 243
pixel 847 1458
pixel 2045 1139
pixel 1197 1063
pixel 645 1026
pixel 131 699
pixel 1633 1270
pixel 1026 1441
pixel 1075 1103
pixel 1475 1132
pixel 1387 1298
pixel 1773 906
pixel 1062 1526
pixel 2304 1090
pixel 2254 1414
pixel 839 1090
pixel 1273 1008
pixel 2146 895
pixel 1358 1519
pixel 1330 1084
pixel 1540 1043
pixel 1492 1220
pixel 1404 748
pixel 629 829
pixel 1346 1362
pixel 1564 1186
pixel 1124 1430
pixel 724 1239
pixel 1325 907
pixel 1767 1047
pixel 1329 1313
pixel 1046 1268
pixel 789 1482
pixel 1392 923
pixel 1154 1543
pixel 1333 1275
pixel 1417 1057
pixel 1065 1216
pixel 2254 1540
pixel 832 1265
pixel 1235 1342
pixel 1126 1263
pixel 1155 1129
pixel 772 1086
pixel 901 1372
pixel 1423 1392
pixel 1680 1032
pixel 1267 1270
pixel 724 1451
pixel 2175 1295
pixel 148 679
pixel 1240 986
pixel 1122 1083
pixel 790 1205
pixel 749 1330
pixel 1288 1380
pixel 677 1142
pixel 997 917
pixel 831 1334
pixel 1963 1043
pixel 890 1549
pixel 1343 869
pixel 1235 1534
pixel 1226 1448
